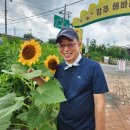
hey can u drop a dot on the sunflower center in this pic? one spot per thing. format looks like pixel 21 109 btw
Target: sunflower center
pixel 28 52
pixel 52 64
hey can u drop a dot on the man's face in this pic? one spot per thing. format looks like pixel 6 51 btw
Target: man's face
pixel 69 49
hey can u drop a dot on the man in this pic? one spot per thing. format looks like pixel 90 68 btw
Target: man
pixel 84 86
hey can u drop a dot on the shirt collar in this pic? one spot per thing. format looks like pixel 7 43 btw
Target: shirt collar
pixel 75 63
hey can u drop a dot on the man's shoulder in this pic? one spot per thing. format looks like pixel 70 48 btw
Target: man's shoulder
pixel 61 65
pixel 88 61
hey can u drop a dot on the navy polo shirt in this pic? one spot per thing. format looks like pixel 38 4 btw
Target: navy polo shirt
pixel 79 84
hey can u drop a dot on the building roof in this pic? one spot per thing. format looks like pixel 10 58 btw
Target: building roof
pixel 126 46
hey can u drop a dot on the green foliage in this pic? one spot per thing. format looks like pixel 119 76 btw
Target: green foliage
pixel 34 113
pixel 48 49
pixel 52 41
pixel 41 108
pixel 48 94
pixel 10 40
pixel 9 83
pixel 83 49
pixel 96 56
pixel 5 84
pixel 97 52
pixel 36 116
pixel 93 45
pixel 8 104
pixel 5 122
pixel 116 52
pixel 9 52
pixel 28 36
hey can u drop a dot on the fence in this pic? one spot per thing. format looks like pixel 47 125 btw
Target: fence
pixel 121 63
pixel 114 61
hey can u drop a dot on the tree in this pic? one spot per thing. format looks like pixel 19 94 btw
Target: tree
pixel 28 36
pixel 101 49
pixel 93 45
pixel 52 41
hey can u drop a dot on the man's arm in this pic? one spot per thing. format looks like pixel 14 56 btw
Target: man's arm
pixel 99 111
pixel 39 80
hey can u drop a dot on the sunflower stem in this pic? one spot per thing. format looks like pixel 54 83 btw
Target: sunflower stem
pixel 20 125
pixel 27 84
pixel 26 105
pixel 32 85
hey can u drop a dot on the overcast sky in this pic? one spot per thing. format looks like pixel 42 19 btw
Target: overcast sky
pixel 113 31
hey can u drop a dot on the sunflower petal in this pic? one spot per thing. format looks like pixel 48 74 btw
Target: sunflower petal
pixel 51 63
pixel 30 56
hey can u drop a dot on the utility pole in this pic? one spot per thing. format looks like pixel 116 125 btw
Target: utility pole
pixel 64 16
pixel 14 31
pixel 64 12
pixel 68 13
pixel 6 16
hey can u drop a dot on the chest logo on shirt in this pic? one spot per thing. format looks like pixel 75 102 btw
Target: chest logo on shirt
pixel 78 77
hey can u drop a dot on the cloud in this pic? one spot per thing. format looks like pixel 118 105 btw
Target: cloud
pixel 112 31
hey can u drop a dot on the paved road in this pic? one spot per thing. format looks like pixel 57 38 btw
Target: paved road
pixel 118 98
pixel 111 69
pixel 117 101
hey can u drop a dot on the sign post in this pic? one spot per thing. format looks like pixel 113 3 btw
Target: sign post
pixel 58 22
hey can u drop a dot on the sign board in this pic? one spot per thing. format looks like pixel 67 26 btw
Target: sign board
pixel 58 22
pixel 80 34
pixel 121 65
pixel 105 9
pixel 106 59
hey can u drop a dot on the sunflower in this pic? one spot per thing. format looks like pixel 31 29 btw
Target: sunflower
pixel 30 52
pixel 51 63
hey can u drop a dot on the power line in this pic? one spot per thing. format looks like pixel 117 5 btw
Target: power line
pixel 30 5
pixel 22 28
pixel 43 14
pixel 29 19
pixel 37 14
pixel 46 12
pixel 2 16
pixel 38 6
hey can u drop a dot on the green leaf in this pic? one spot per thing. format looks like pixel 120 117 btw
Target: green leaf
pixel 19 69
pixel 46 72
pixel 7 72
pixel 10 104
pixel 49 93
pixel 32 74
pixel 7 100
pixel 45 127
pixel 54 115
pixel 36 117
pixel 5 122
pixel 23 116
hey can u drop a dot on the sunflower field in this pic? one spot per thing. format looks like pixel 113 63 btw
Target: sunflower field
pixel 29 93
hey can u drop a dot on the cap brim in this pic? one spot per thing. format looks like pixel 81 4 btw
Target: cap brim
pixel 70 37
